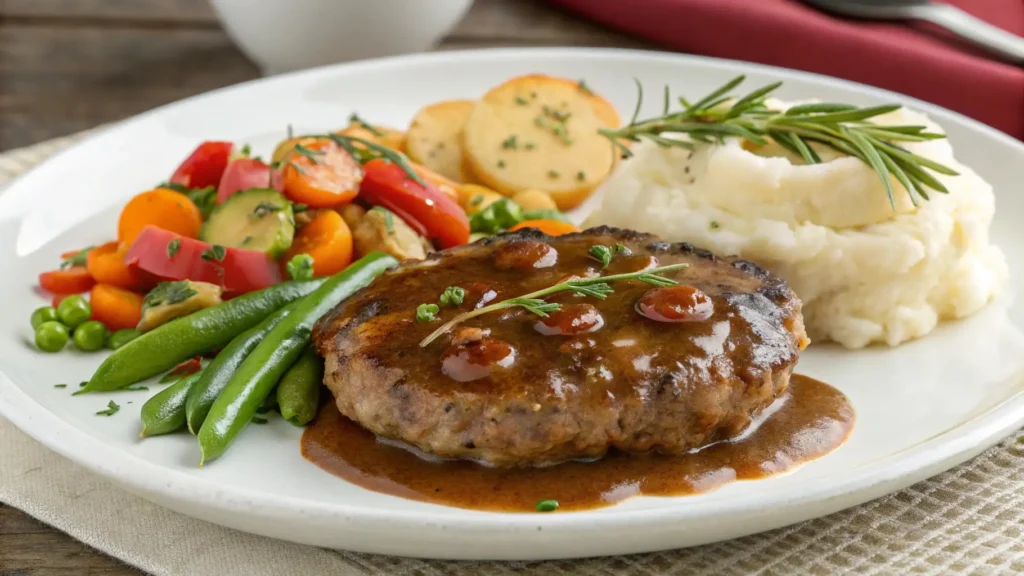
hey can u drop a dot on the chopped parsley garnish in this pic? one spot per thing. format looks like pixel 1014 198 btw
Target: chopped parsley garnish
pixel 60 385
pixel 453 296
pixel 604 254
pixel 168 293
pixel 547 505
pixel 522 101
pixel 476 200
pixel 501 163
pixel 259 420
pixel 112 409
pixel 215 252
pixel 76 259
pixel 556 115
pixel 172 248
pixel 715 225
pixel 135 388
pixel 582 85
pixel 204 198
pixel 554 174
pixel 246 151
pixel 510 143
pixel 581 175
pixel 300 267
pixel 529 145
pixel 427 313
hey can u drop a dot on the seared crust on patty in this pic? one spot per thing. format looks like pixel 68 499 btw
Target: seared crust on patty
pixel 631 383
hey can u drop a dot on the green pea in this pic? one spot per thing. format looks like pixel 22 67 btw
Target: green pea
pixel 44 314
pixel 122 337
pixel 73 311
pixel 90 336
pixel 51 336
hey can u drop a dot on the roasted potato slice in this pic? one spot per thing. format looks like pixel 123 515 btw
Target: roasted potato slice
pixel 539 132
pixel 434 138
pixel 533 199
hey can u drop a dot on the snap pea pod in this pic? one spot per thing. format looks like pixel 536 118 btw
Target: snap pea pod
pixel 298 392
pixel 165 411
pixel 282 346
pixel 216 375
pixel 163 348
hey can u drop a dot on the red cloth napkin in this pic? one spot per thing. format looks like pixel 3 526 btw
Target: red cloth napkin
pixel 910 58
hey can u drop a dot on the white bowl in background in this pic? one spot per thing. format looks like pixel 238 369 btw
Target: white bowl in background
pixel 285 35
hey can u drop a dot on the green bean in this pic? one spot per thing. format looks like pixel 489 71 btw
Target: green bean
pixel 216 375
pixel 164 347
pixel 298 392
pixel 282 346
pixel 165 411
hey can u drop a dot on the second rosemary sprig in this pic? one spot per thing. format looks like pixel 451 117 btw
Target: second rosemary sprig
pixel 361 149
pixel 597 287
pixel 843 127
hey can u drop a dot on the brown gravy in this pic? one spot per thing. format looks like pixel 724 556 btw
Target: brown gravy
pixel 810 420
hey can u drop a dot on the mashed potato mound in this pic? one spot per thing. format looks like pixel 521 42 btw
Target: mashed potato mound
pixel 865 273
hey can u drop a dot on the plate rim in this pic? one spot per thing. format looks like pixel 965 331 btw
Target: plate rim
pixel 135 473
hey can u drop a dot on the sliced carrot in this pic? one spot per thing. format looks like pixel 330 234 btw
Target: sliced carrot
pixel 328 240
pixel 116 307
pixel 105 264
pixel 549 227
pixel 162 208
pixel 73 280
pixel 321 174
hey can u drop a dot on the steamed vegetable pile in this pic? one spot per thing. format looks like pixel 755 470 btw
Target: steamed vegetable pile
pixel 234 257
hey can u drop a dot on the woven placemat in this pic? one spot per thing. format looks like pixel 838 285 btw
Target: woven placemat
pixel 965 521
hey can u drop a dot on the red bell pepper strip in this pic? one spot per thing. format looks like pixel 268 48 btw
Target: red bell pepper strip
pixel 425 208
pixel 204 166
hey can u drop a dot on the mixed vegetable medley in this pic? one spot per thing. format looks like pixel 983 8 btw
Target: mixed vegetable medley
pixel 215 277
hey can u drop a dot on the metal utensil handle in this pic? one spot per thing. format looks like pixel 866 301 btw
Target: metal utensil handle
pixel 978 31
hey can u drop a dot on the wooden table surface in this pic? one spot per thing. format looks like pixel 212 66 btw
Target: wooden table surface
pixel 68 65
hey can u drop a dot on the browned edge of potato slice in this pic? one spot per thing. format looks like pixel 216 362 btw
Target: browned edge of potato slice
pixel 434 138
pixel 541 132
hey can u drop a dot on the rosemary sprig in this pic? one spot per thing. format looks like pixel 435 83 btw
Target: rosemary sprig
pixel 597 287
pixel 370 151
pixel 843 127
pixel 354 118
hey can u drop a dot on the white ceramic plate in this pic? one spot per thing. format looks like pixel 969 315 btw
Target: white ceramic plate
pixel 922 407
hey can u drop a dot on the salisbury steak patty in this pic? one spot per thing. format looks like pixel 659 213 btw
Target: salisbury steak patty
pixel 512 388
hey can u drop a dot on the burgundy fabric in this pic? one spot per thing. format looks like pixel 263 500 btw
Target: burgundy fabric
pixel 911 58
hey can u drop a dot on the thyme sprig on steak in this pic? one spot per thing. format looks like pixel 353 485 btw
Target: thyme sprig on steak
pixel 597 287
